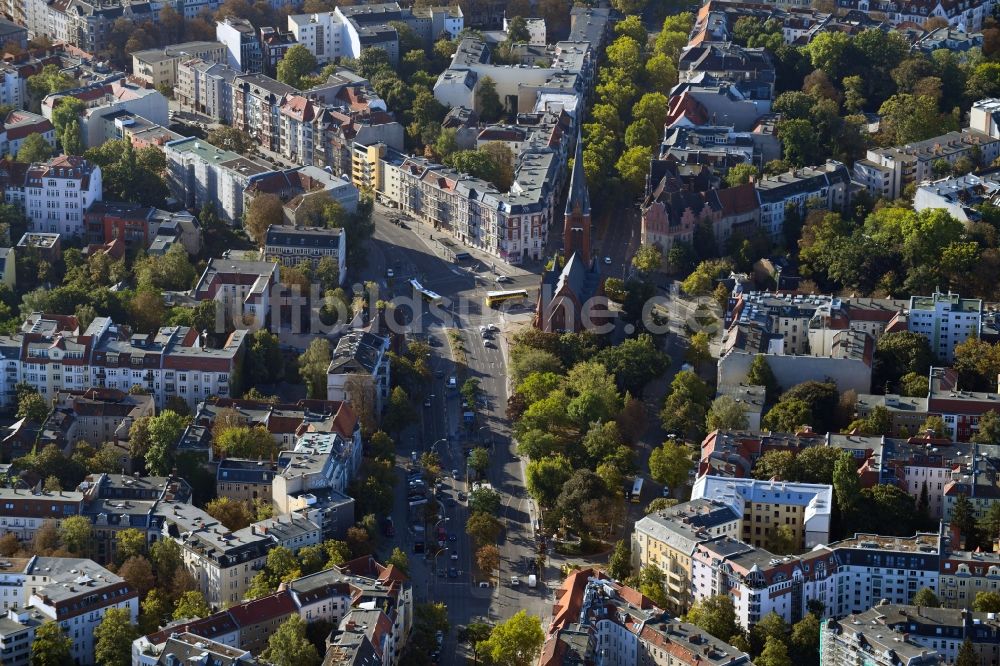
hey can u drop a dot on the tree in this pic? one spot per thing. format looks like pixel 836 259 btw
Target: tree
pixel 288 646
pixel 670 464
pixel 633 165
pixel 788 416
pixel 233 514
pixel 75 533
pixel 52 647
pixel 544 478
pixel 297 63
pixel 775 465
pixel 399 560
pixel 191 605
pixel 846 485
pixel 741 174
pixel 800 140
pixel 34 407
pixel 488 559
pixel 400 412
pixel 716 615
pixel 72 139
pixel 648 258
pixel 113 638
pixel 484 500
pixel 154 611
pixel 967 654
pixel 805 639
pixel 130 542
pixel 488 102
pixel 925 597
pixel 244 442
pixel 34 148
pixel 515 642
pixel 165 555
pixel 313 364
pixel 963 517
pixel 760 374
pixel 726 414
pixel 484 528
pixel 620 564
pixel 139 573
pixel 264 211
pixel 165 431
pixel 67 109
pixel 231 138
pixel 698 351
pixel 899 353
pixel 652 583
pixel 775 652
pixel 771 626
pixel 987 602
pixel 479 460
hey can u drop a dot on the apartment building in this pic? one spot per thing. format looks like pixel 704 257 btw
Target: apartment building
pixel 244 290
pixel 597 620
pixel 52 354
pixel 24 511
pixel 667 540
pixel 911 635
pixel 887 171
pixel 960 196
pixel 291 246
pixel 362 593
pixel 946 320
pixel 55 194
pixel 159 66
pixel 764 506
pixel 967 16
pixel 360 358
pixel 671 213
pixel 19 125
pixel 186 647
pixel 206 87
pixel 105 101
pixel 243 50
pixel 86 24
pixel 244 480
pixel 827 186
pixel 965 574
pixel 141 227
pixel 222 562
pixel 17 634
pixel 300 185
pixel 847 362
pixel 198 173
pixel 319 461
pixel 94 416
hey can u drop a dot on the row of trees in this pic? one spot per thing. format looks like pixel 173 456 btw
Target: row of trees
pixel 574 423
pixel 619 112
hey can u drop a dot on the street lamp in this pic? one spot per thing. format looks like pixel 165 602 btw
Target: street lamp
pixel 443 439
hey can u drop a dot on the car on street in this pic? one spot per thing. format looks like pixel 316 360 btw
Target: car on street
pixel 454 555
pixel 666 491
pixel 455 474
pixel 461 497
pixel 489 345
pixel 501 279
pixel 452 572
pixel 484 583
pixel 452 537
pixel 494 328
pixel 427 403
pixel 452 382
pixel 514 581
pixel 607 261
pixel 389 273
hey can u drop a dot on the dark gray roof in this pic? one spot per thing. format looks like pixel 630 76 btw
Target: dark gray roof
pixel 313 237
pixel 578 193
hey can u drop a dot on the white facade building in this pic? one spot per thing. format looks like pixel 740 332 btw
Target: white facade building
pixel 946 320
pixel 56 194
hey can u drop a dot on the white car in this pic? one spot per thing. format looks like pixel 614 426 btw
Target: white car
pixel 493 328
pixel 607 260
pixel 389 273
pixel 501 279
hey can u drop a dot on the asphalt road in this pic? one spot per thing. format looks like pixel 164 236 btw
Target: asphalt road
pixel 411 253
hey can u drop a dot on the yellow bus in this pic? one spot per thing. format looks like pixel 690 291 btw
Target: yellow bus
pixel 495 298
pixel 637 490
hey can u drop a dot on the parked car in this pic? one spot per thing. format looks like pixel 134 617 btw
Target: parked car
pixel 501 279
pixel 452 572
pixel 389 273
pixel 454 555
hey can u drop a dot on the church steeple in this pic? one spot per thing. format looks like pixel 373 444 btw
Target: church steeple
pixel 576 227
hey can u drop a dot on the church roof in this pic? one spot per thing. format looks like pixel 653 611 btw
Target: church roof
pixel 578 193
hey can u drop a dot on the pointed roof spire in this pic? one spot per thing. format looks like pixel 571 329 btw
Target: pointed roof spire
pixel 578 193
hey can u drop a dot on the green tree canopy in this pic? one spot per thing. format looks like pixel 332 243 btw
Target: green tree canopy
pixel 516 641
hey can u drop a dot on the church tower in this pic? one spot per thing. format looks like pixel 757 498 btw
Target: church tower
pixel 576 229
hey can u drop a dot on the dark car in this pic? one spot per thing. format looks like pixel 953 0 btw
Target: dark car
pixel 452 537
pixel 452 572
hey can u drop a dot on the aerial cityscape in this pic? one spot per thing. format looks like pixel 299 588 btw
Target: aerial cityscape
pixel 500 332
